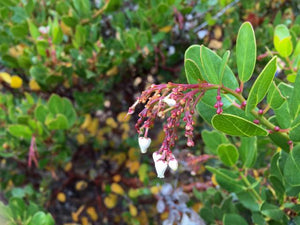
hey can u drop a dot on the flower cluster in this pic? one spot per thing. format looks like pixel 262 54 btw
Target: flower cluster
pixel 177 102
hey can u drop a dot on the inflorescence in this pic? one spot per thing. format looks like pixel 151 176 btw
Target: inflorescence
pixel 177 102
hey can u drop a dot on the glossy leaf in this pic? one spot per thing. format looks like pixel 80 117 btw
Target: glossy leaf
pixel 261 85
pixel 237 126
pixel 275 98
pixel 283 116
pixel 192 72
pixel 228 154
pixel 212 139
pixel 292 168
pixel 211 64
pixel 295 97
pixel 248 200
pixel 233 219
pixel 282 40
pixel 223 65
pixel 245 51
pixel 248 151
pixel 192 65
pixel 227 179
pixel 271 211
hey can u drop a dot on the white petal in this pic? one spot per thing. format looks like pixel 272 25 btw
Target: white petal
pixel 144 144
pixel 160 167
pixel 156 156
pixel 173 164
pixel 170 102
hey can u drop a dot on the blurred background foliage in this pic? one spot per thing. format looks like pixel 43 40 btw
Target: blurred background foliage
pixel 69 71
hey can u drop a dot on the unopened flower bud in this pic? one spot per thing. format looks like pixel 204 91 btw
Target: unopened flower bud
pixel 173 164
pixel 170 102
pixel 144 143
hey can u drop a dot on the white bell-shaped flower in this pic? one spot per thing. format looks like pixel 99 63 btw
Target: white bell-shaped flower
pixel 160 165
pixel 173 164
pixel 170 102
pixel 144 144
pixel 156 156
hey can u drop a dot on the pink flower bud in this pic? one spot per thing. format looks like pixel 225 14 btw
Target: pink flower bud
pixel 144 143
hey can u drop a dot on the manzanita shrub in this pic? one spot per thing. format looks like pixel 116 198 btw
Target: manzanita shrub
pixel 254 135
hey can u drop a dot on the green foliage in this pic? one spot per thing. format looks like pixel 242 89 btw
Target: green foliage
pixel 80 64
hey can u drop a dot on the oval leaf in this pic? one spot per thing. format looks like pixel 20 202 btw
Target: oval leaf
pixel 246 51
pixel 237 126
pixel 233 219
pixel 228 154
pixel 248 151
pixel 275 98
pixel 20 131
pixel 291 168
pixel 193 68
pixel 261 85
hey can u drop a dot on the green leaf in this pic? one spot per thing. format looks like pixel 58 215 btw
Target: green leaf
pixel 41 113
pixel 227 179
pixel 248 151
pixel 292 167
pixel 237 126
pixel 278 186
pixel 234 219
pixel 261 85
pixel 211 64
pixel 18 207
pixel 19 31
pixel 42 219
pixel 283 116
pixel 63 106
pixel 258 219
pixel 212 139
pixel 192 72
pixel 223 65
pixel 83 7
pixel 39 73
pixel 228 154
pixel 20 131
pixel 34 32
pixel 60 122
pixel 275 99
pixel 295 100
pixel 192 65
pixel 279 140
pixel 271 211
pixel 245 51
pixel 57 33
pixel 282 40
pixel 80 36
pixel 248 200
pixel 295 130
